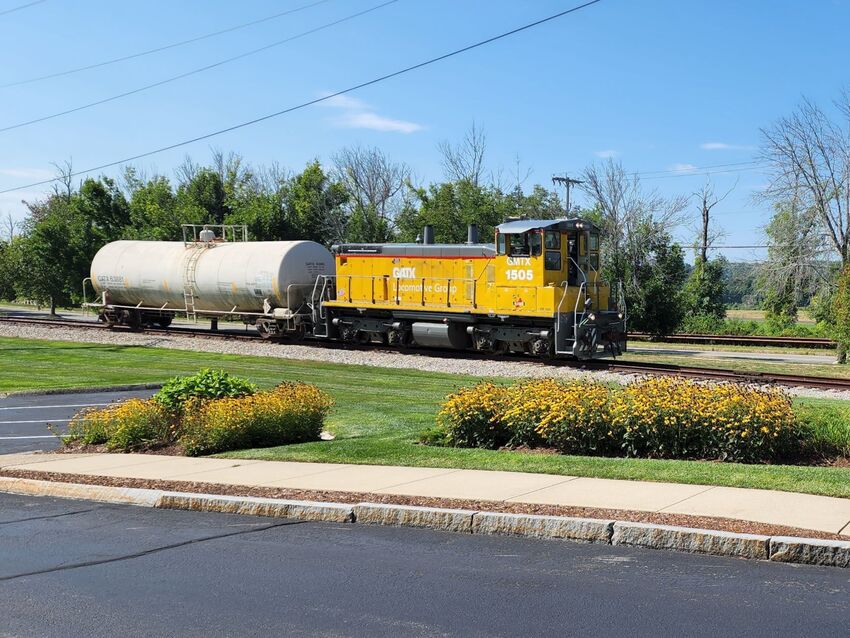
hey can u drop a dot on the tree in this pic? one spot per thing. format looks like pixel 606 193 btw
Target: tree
pixel 450 207
pixel 153 211
pixel 841 314
pixel 376 186
pixel 314 205
pixel 48 261
pixel 465 161
pixel 635 224
pixel 9 268
pixel 657 304
pixel 704 290
pixel 10 227
pixel 792 267
pixel 202 198
pixel 810 158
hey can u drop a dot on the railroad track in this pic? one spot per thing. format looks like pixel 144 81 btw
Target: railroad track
pixel 625 367
pixel 738 340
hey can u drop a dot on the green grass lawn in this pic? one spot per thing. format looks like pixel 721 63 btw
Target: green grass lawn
pixel 379 413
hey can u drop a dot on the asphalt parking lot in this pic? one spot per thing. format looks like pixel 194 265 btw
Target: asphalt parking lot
pixel 24 419
pixel 76 568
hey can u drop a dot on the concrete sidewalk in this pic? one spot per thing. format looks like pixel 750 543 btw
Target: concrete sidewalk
pixel 820 513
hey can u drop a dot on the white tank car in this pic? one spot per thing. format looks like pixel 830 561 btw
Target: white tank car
pixel 219 277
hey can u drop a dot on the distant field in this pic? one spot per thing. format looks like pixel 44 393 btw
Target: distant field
pixel 803 316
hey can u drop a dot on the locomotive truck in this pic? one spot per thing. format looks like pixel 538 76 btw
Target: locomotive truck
pixel 536 290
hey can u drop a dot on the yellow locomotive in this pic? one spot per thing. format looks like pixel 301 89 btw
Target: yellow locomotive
pixel 537 290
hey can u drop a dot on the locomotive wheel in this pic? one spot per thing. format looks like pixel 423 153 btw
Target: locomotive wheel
pixel 541 348
pixel 363 337
pixel 484 343
pixel 397 338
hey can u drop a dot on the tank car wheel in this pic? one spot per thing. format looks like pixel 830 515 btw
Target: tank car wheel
pixel 133 318
pixel 264 330
pixel 163 322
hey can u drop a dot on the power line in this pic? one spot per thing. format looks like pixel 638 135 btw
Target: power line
pixel 318 100
pixel 165 47
pixel 691 169
pixel 174 78
pixel 697 172
pixel 22 6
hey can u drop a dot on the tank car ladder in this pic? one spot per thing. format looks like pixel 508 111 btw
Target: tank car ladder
pixel 189 270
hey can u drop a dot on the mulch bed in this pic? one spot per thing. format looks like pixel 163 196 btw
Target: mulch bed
pixel 683 520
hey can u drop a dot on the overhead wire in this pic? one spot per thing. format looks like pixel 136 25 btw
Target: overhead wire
pixel 317 100
pixel 21 6
pixel 158 49
pixel 207 67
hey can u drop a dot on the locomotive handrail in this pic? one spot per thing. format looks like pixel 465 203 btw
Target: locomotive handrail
pixel 575 314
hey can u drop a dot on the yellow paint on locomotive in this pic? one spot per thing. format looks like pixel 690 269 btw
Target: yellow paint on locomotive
pixel 495 284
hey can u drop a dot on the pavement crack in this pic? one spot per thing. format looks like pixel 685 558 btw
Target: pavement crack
pixel 147 552
pixel 41 518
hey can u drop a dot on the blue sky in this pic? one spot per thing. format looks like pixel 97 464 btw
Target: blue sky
pixel 659 85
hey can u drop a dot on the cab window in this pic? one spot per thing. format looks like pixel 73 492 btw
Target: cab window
pixel 500 244
pixel 552 240
pixel 553 260
pixel 535 240
pixel 525 245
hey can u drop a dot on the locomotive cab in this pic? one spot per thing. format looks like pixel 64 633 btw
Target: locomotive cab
pixel 555 263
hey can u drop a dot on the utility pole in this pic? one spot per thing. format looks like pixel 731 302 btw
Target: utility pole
pixel 568 182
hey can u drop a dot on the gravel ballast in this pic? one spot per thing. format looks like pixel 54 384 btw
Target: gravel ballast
pixel 374 358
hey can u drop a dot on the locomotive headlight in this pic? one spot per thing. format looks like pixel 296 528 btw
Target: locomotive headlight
pixel 591 317
pixel 619 315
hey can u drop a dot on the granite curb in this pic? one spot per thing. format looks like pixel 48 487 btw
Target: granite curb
pixel 809 551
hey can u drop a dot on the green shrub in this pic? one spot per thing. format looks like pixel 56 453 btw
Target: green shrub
pixel 702 324
pixel 826 430
pixel 206 384
pixel 289 413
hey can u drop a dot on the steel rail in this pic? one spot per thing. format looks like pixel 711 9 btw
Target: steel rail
pixel 737 340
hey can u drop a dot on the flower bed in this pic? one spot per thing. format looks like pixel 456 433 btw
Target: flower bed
pixel 204 414
pixel 655 418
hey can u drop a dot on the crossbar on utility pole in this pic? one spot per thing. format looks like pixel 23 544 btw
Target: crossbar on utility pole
pixel 568 182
